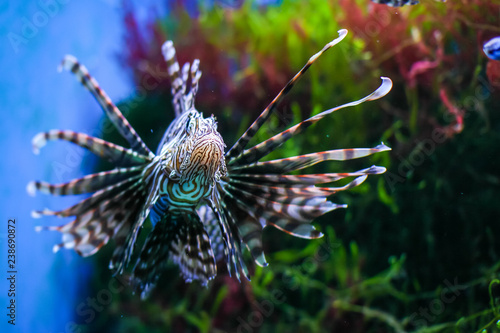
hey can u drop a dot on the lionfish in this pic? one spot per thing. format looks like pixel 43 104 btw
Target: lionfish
pixel 400 3
pixel 396 3
pixel 205 204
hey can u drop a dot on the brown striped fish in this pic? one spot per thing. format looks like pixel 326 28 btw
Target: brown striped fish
pixel 205 203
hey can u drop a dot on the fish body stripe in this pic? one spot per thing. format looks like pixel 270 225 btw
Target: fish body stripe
pixel 187 194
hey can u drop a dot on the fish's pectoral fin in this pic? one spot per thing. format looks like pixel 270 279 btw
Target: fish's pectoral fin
pixel 181 236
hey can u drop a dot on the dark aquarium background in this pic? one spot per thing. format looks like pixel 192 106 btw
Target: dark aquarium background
pixel 415 251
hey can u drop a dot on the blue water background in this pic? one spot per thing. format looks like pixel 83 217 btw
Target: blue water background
pixel 34 97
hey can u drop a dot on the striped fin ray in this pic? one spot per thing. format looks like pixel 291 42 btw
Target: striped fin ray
pixel 230 235
pixel 182 99
pixel 94 200
pixel 195 77
pixel 250 231
pixel 87 184
pixel 192 251
pixel 211 225
pixel 237 257
pixel 152 178
pixel 287 208
pixel 114 153
pixel 303 161
pixel 125 243
pixel 119 214
pixel 293 193
pixel 304 211
pixel 123 254
pixel 118 259
pixel 262 149
pixel 294 219
pixel 152 260
pixel 227 237
pixel 96 233
pixel 303 180
pixel 185 76
pixel 170 57
pixel 252 130
pixel 93 228
pixel 277 219
pixel 125 239
pixel 70 63
pixel 181 237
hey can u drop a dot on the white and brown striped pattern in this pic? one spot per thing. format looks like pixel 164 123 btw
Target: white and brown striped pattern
pixel 177 83
pixel 303 161
pixel 252 130
pixel 87 184
pixel 118 198
pixel 114 153
pixel 396 3
pixel 181 237
pixel 260 150
pixel 303 180
pixel 126 130
pixel 204 204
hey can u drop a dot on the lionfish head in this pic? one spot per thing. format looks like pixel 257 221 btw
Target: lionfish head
pixel 204 160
